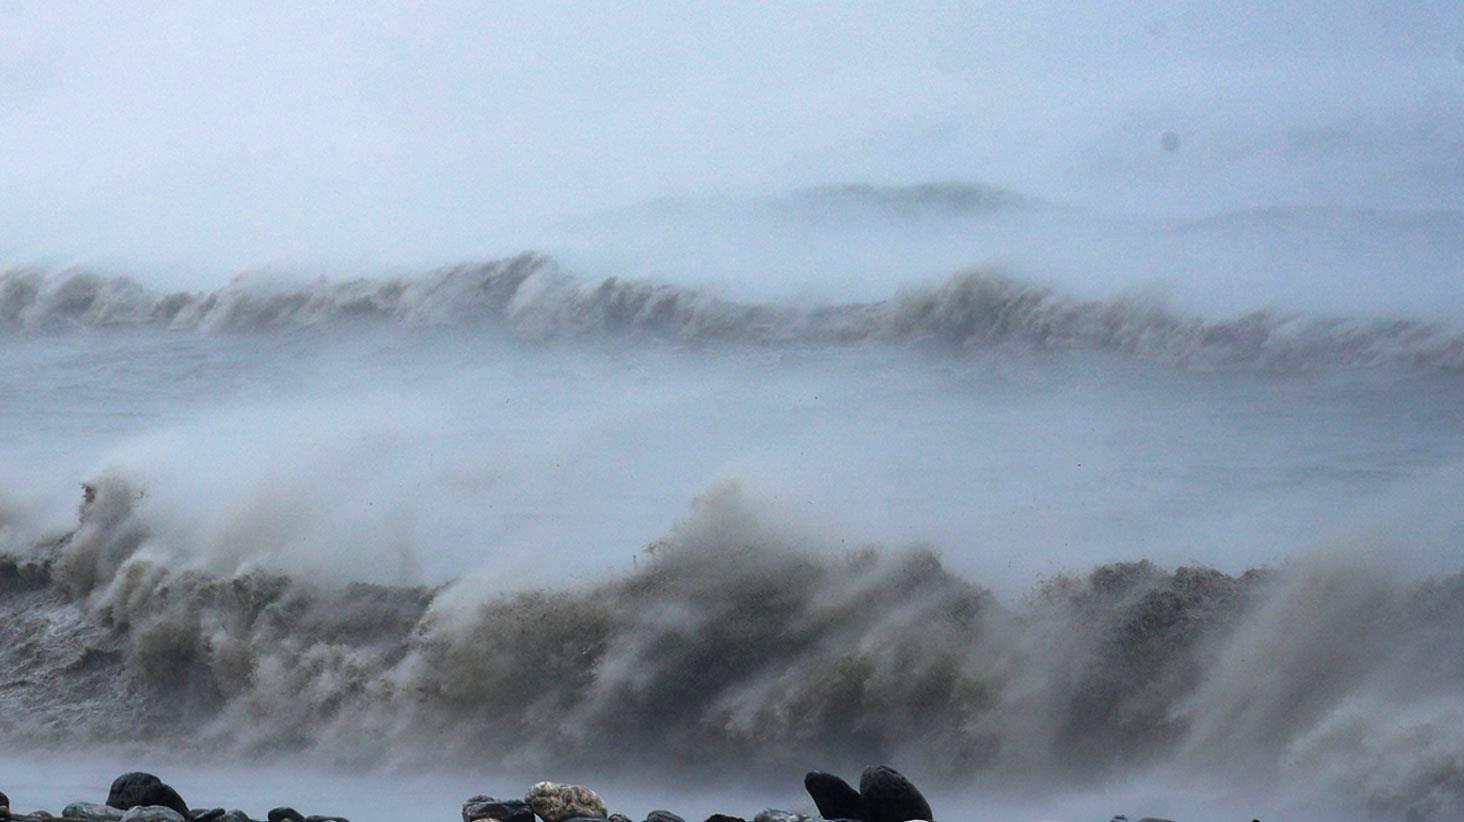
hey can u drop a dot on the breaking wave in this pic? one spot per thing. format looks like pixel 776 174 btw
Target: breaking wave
pixel 733 645
pixel 531 297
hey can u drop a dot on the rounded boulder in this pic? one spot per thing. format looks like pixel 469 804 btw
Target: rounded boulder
pixel 890 797
pixel 557 803
pixel 152 813
pixel 138 789
pixel 92 812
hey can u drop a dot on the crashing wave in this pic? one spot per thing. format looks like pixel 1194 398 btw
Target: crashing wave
pixel 733 646
pixel 531 297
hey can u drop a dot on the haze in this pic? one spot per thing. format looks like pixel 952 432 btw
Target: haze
pixel 186 142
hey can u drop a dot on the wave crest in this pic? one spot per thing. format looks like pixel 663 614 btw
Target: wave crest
pixel 531 297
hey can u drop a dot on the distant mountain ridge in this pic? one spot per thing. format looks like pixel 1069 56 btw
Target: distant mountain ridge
pixel 970 199
pixel 937 199
pixel 924 197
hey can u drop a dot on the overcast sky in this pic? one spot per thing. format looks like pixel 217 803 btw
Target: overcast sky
pixel 226 135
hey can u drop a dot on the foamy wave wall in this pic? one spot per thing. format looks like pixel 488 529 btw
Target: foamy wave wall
pixel 734 646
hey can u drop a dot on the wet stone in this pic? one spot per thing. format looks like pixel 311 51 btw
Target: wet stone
pixel 503 810
pixel 835 798
pixel 775 815
pixel 890 797
pixel 561 803
pixel 91 811
pixel 131 790
pixel 152 813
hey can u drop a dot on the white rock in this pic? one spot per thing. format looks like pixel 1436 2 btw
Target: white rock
pixel 555 803
pixel 152 813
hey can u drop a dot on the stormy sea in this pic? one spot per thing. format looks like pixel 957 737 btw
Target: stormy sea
pixel 1055 543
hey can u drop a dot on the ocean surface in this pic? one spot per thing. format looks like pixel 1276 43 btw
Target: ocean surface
pixel 371 545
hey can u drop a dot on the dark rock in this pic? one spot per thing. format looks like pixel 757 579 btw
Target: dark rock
pixel 835 798
pixel 663 816
pixel 722 817
pixel 136 789
pixel 209 815
pixel 890 797
pixel 504 810
pixel 618 817
pixel 4 800
pixel 314 818
pixel 285 814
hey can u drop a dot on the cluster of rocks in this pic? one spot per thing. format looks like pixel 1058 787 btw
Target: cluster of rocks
pixel 142 797
pixel 883 796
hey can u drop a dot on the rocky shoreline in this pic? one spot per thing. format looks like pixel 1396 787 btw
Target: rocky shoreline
pixel 883 795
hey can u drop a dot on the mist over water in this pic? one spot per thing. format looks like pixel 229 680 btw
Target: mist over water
pixel 1060 404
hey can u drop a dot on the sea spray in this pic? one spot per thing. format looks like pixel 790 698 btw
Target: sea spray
pixel 732 646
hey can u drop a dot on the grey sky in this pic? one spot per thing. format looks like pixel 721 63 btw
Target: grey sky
pixel 227 134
